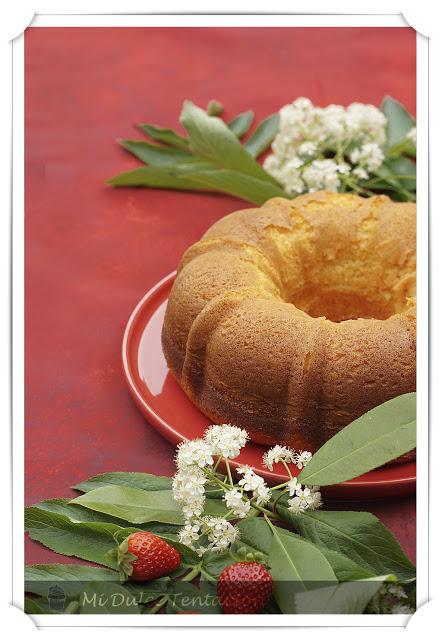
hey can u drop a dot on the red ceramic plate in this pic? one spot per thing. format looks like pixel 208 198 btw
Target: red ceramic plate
pixel 168 409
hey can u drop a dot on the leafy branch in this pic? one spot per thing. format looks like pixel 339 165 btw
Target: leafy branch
pixel 337 558
pixel 211 156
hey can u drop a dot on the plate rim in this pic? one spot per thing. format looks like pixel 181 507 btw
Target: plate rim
pixel 159 424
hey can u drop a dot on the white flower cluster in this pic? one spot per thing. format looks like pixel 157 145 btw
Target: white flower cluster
pixel 251 481
pixel 193 459
pixel 188 490
pixel 235 502
pixel 303 499
pixel 311 149
pixel 306 499
pixel 196 464
pixel 391 598
pixel 285 454
pixel 226 440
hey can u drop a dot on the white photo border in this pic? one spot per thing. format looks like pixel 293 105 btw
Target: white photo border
pixel 220 20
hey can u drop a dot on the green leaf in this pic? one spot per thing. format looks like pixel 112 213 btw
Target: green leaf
pixel 138 506
pixel 296 565
pixel 404 167
pixel 40 573
pixel 263 135
pixel 256 533
pixel 344 568
pixel 87 540
pixel 155 177
pixel 211 139
pixel 154 153
pixel 200 176
pixel 137 480
pixel 214 563
pixel 133 505
pixel 348 597
pixel 236 184
pixel 71 577
pixel 241 124
pixel 77 513
pixel 35 606
pixel 188 556
pixel 379 436
pixel 399 120
pixel 74 579
pixel 166 136
pixel 358 535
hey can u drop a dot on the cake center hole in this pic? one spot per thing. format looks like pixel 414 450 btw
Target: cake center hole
pixel 338 306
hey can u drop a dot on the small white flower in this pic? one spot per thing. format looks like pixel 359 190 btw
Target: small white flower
pixel 316 502
pixel 302 459
pixel 235 502
pixel 250 481
pixel 242 469
pixel 278 454
pixel 411 135
pixel 305 497
pixel 396 590
pixel 201 550
pixel 401 609
pixel 189 533
pixel 322 174
pixel 308 149
pixel 262 494
pixel 296 505
pixel 188 490
pixel 366 123
pixel 226 440
pixel 370 156
pixel 220 533
pixel 194 452
pixel 360 173
pixel 293 485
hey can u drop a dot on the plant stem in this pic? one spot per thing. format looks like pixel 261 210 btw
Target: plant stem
pixel 229 473
pixel 159 605
pixel 187 578
pixel 277 499
pixel 287 468
pixel 193 573
pixel 278 486
pixel 217 464
pixel 397 149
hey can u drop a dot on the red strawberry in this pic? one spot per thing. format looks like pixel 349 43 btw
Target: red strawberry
pixel 154 557
pixel 244 587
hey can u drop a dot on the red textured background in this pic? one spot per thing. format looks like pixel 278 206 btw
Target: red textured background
pixel 92 252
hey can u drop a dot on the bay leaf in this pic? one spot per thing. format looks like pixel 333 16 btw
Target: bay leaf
pixel 263 135
pixel 358 535
pixel 346 598
pixel 138 480
pixel 211 139
pixel 241 124
pixel 153 153
pixel 379 436
pixel 91 541
pixel 399 120
pixel 165 135
pixel 296 565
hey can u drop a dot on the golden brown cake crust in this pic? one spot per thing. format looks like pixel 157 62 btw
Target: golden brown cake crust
pixel 294 319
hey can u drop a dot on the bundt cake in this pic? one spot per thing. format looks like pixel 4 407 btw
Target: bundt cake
pixel 294 319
